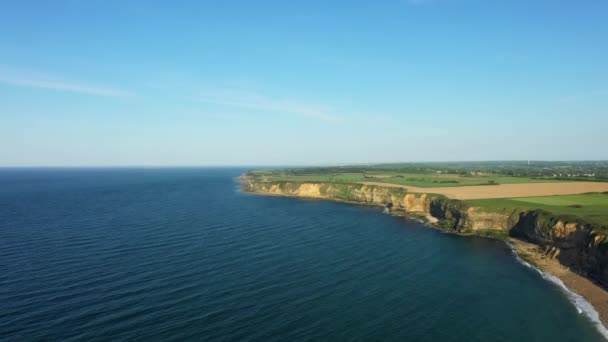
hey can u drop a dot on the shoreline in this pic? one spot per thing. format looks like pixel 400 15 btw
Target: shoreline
pixel 588 297
pixel 593 294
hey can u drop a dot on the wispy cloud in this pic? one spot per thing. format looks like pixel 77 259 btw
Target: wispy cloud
pixel 265 103
pixel 27 79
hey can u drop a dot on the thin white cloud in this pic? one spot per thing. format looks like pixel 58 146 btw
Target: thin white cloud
pixel 24 79
pixel 265 103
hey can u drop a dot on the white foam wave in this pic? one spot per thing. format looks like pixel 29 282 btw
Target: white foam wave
pixel 582 306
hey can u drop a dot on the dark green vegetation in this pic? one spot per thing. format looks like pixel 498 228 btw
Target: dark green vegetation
pixel 444 174
pixel 418 179
pixel 590 207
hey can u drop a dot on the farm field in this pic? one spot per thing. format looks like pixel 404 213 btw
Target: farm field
pixel 593 207
pixel 507 190
pixel 494 192
pixel 423 180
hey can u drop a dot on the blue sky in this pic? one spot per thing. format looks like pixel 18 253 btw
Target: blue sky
pixel 85 83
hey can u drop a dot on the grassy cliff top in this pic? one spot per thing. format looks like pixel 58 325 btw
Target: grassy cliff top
pixel 590 207
pixel 423 180
pixel 444 174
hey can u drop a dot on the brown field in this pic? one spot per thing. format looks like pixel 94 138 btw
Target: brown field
pixel 380 176
pixel 506 190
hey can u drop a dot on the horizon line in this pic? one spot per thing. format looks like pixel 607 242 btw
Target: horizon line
pixel 152 166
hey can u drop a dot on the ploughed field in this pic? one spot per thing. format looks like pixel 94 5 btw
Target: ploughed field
pixel 507 190
pixel 463 187
pixel 587 200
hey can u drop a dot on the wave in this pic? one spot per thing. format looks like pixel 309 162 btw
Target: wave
pixel 581 304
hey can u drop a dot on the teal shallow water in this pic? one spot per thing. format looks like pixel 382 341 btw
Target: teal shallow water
pixel 182 254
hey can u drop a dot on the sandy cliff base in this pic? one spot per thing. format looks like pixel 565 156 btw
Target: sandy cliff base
pixel 591 292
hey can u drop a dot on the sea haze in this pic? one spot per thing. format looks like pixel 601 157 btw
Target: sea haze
pixel 178 254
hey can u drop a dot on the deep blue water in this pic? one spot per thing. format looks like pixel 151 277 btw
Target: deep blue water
pixel 182 254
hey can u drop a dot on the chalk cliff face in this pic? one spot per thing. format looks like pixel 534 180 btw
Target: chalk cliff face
pixel 574 243
pixel 451 213
pixel 396 199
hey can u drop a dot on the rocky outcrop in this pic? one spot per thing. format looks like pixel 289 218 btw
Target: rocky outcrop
pixel 575 243
pixel 451 214
pixel 479 219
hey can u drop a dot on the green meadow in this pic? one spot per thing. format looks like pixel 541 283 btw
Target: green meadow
pixel 591 207
pixel 424 180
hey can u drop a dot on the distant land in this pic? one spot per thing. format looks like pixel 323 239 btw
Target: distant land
pixel 553 214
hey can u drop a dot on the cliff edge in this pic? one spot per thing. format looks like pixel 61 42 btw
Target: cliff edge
pixel 574 243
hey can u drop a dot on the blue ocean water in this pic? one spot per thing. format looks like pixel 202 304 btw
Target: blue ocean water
pixel 182 254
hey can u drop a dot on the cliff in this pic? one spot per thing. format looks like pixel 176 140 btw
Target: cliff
pixel 574 243
pixel 452 214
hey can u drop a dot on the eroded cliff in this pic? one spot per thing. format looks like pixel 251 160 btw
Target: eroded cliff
pixel 573 242
pixel 451 214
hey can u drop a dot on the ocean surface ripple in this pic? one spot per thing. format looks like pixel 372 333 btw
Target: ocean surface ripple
pixel 181 254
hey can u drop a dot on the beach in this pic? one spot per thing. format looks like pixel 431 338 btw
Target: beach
pixel 591 292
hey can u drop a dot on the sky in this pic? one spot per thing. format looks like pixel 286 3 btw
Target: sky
pixel 226 83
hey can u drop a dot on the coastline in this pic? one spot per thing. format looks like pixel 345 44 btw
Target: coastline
pixel 588 297
pixel 593 294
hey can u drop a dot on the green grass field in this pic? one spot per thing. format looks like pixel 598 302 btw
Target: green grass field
pixel 591 207
pixel 423 180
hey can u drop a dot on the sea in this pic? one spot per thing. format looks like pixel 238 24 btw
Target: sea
pixel 182 254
